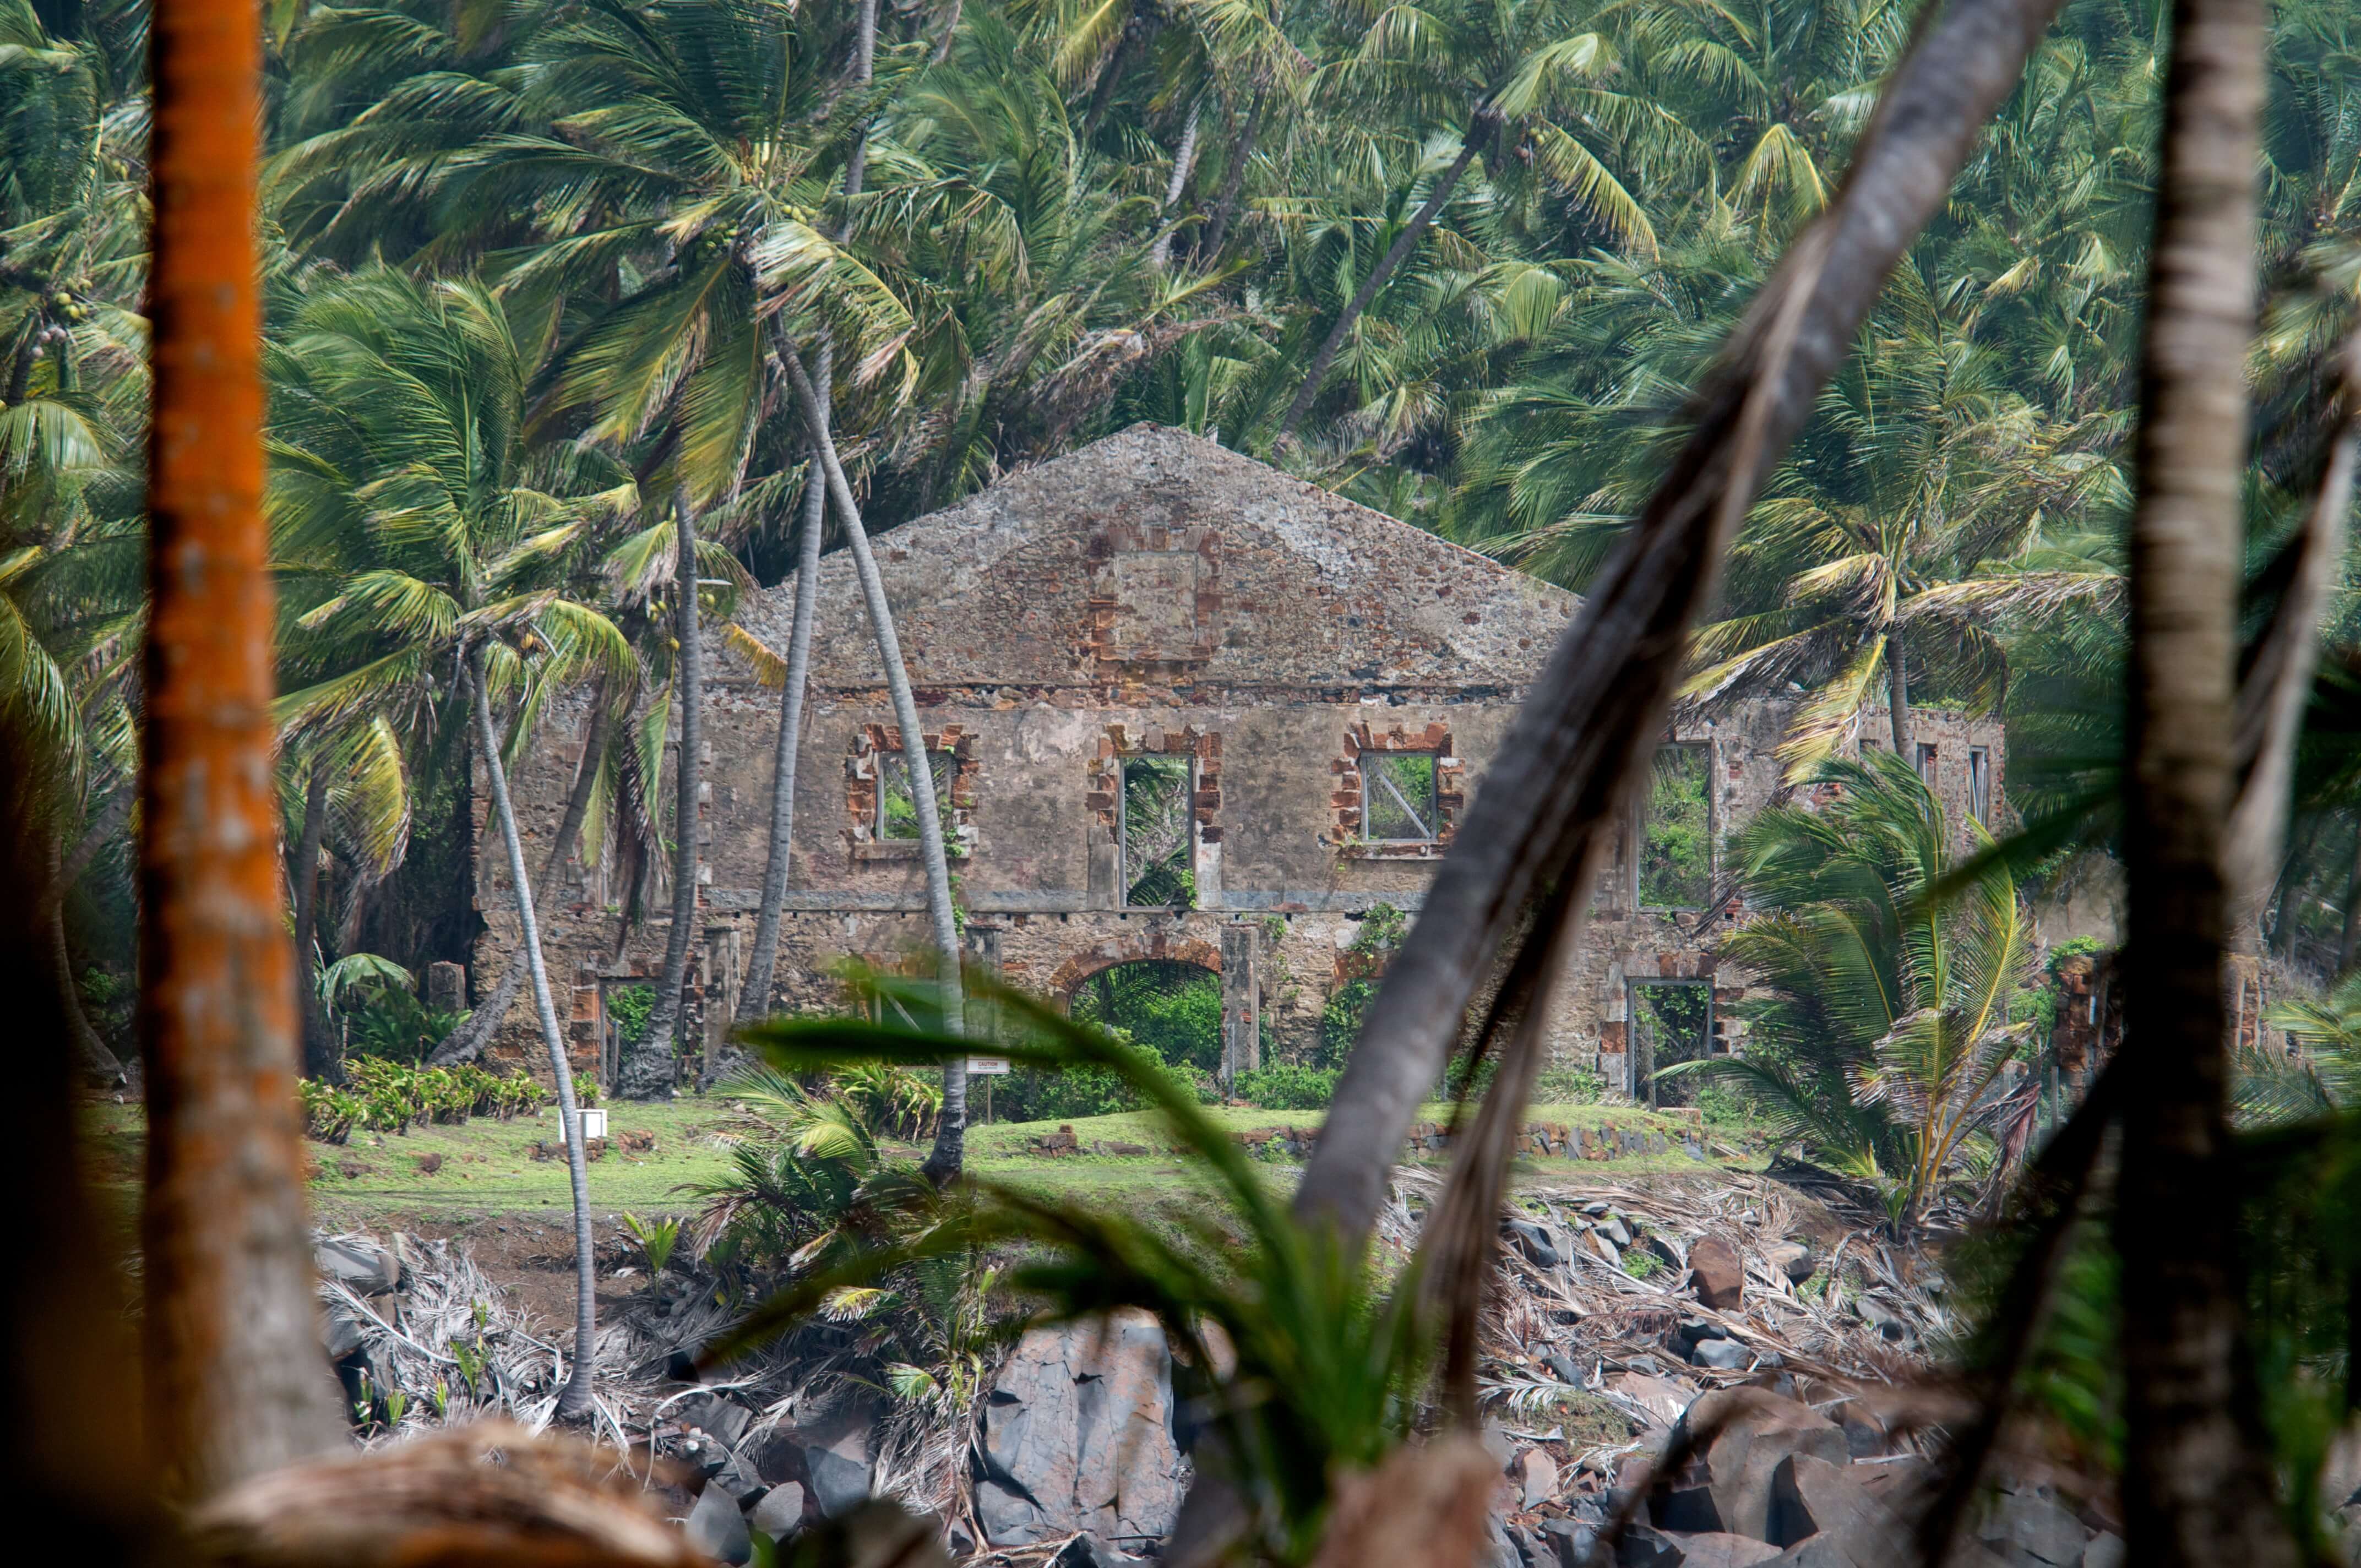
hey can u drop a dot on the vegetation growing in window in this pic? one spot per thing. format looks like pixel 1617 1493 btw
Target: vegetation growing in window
pixel 1400 801
pixel 1159 867
pixel 1677 831
pixel 897 806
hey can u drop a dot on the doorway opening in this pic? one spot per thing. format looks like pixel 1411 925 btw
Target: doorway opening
pixel 624 1008
pixel 1672 1021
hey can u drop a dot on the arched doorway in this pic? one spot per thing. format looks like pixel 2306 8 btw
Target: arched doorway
pixel 1169 1006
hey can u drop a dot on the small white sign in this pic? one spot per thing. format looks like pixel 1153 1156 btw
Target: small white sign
pixel 978 1066
pixel 593 1120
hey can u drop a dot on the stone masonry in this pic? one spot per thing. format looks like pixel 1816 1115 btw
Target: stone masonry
pixel 1153 595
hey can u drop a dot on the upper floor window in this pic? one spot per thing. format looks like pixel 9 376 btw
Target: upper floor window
pixel 1156 831
pixel 1926 764
pixel 897 805
pixel 1980 785
pixel 1401 798
pixel 1676 868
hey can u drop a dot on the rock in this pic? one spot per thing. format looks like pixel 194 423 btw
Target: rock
pixel 716 1415
pixel 1660 1396
pixel 1535 1474
pixel 1713 1549
pixel 716 1527
pixel 877 1534
pixel 1813 1496
pixel 428 1164
pixel 2104 1550
pixel 1561 1367
pixel 1571 1539
pixel 1643 1546
pixel 1865 1433
pixel 781 1512
pixel 2028 1526
pixel 1078 1435
pixel 1617 1231
pixel 1891 1325
pixel 1534 1243
pixel 1087 1551
pixel 1719 1274
pixel 827 1452
pixel 1605 1247
pixel 1722 1355
pixel 1757 1432
pixel 358 1262
pixel 1793 1258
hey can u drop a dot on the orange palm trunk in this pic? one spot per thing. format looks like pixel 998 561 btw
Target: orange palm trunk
pixel 235 1385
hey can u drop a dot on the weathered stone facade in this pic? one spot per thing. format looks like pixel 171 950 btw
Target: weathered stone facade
pixel 1152 595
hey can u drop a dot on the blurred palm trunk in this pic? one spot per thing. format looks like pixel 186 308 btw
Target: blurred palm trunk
pixel 2197 1485
pixel 234 1381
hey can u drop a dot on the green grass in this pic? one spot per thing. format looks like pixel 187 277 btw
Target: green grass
pixel 488 1167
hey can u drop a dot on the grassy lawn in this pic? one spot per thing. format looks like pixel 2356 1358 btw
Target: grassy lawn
pixel 487 1166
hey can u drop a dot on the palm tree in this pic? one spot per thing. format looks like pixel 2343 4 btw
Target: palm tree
pixel 422 552
pixel 226 1252
pixel 1886 1031
pixel 1501 77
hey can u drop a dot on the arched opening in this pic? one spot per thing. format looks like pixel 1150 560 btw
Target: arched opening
pixel 1169 1006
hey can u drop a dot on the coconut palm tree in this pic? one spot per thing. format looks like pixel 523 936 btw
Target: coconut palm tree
pixel 1495 79
pixel 428 552
pixel 1886 1031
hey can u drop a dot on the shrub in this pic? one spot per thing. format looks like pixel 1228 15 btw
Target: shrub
pixel 1289 1086
pixel 329 1113
pixel 1559 1085
pixel 389 1097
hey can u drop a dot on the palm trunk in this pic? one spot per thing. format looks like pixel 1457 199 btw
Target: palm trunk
pixel 1234 178
pixel 465 1042
pixel 2198 1486
pixel 101 1062
pixel 1897 695
pixel 320 1059
pixel 575 1399
pixel 1421 221
pixel 233 1387
pixel 948 1155
pixel 1184 160
pixel 1558 779
pixel 864 70
pixel 647 1070
pixel 754 999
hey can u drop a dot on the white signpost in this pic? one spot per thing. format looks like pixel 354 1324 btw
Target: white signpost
pixel 987 1069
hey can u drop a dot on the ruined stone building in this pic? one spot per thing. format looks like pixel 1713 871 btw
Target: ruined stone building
pixel 1187 708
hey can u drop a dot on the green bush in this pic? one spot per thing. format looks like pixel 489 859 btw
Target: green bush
pixel 1559 1085
pixel 329 1113
pixel 388 1096
pixel 1289 1086
pixel 1032 1094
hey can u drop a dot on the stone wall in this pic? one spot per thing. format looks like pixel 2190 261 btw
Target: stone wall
pixel 1151 595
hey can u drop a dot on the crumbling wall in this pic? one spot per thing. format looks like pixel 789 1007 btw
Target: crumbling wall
pixel 1152 595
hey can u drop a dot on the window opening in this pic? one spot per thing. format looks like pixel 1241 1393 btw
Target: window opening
pixel 1399 797
pixel 1675 869
pixel 1979 783
pixel 1671 1022
pixel 1926 764
pixel 1158 834
pixel 897 812
pixel 623 1011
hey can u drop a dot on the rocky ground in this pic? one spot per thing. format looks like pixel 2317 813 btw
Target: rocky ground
pixel 1635 1312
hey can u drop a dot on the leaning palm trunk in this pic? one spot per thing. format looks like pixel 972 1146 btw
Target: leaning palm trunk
pixel 2197 1484
pixel 646 1071
pixel 231 1383
pixel 474 1033
pixel 1396 253
pixel 320 1054
pixel 575 1399
pixel 754 1001
pixel 1184 160
pixel 1561 774
pixel 950 1127
pixel 1897 694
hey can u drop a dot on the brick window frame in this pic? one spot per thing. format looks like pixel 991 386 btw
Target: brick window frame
pixel 1450 791
pixel 1123 741
pixel 863 777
